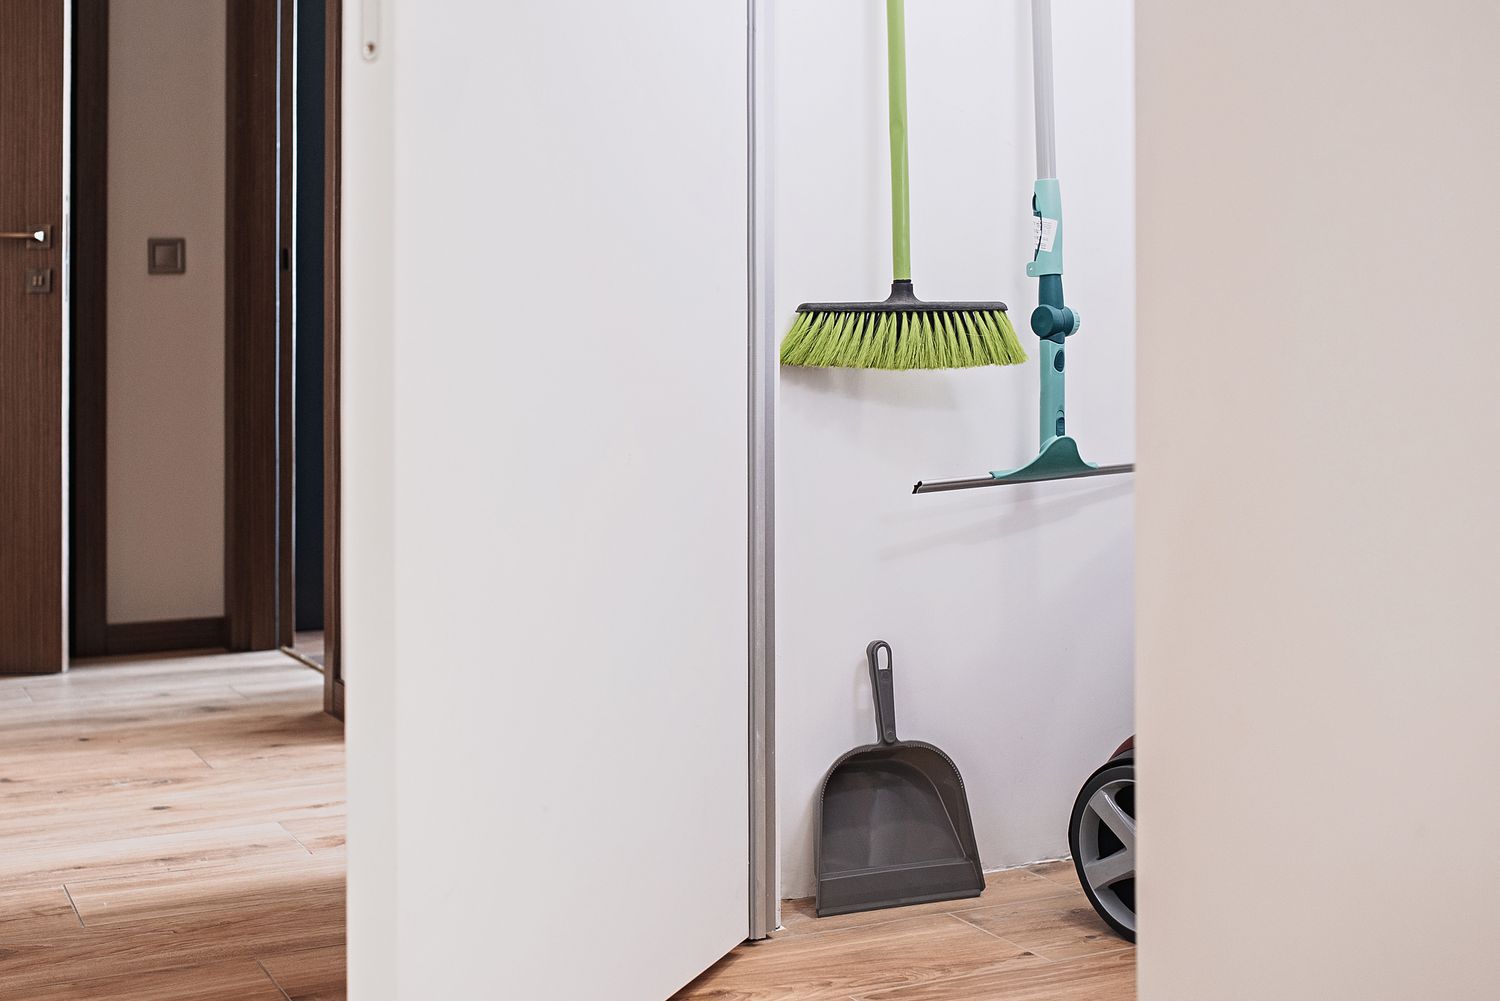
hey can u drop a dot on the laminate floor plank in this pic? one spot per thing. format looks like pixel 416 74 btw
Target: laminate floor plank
pixel 282 741
pixel 319 834
pixel 313 975
pixel 235 722
pixel 799 917
pixel 65 767
pixel 1061 871
pixel 56 864
pixel 174 805
pixel 309 679
pixel 160 898
pixel 1054 928
pixel 838 964
pixel 1098 978
pixel 112 671
pixel 44 911
pixel 198 939
pixel 101 713
pixel 77 688
pixel 13 694
pixel 241 980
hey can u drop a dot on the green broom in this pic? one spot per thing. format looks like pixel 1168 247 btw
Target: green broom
pixel 903 331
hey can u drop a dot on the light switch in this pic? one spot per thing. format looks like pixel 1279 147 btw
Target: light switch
pixel 166 255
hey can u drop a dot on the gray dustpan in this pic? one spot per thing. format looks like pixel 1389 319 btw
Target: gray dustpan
pixel 893 819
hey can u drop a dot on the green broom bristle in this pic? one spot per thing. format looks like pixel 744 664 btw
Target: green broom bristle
pixel 906 339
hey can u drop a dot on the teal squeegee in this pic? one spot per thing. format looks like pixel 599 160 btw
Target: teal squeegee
pixel 1053 321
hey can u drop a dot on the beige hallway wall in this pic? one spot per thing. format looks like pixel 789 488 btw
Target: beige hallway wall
pixel 1318 550
pixel 165 441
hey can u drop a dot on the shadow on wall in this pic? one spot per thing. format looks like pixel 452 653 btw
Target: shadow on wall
pixel 902 390
pixel 1032 506
pixel 899 390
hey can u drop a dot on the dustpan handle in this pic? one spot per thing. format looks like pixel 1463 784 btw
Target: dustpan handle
pixel 895 45
pixel 884 687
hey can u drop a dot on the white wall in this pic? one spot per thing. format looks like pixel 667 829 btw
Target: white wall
pixel 165 346
pixel 545 498
pixel 1319 553
pixel 1010 610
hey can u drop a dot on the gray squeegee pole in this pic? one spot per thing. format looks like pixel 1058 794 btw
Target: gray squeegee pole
pixel 1041 65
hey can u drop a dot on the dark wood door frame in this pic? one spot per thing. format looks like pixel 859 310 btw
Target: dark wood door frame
pixel 333 680
pixel 286 609
pixel 252 492
pixel 257 559
pixel 89 376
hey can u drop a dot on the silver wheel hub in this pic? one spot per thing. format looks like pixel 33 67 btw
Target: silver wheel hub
pixel 1106 849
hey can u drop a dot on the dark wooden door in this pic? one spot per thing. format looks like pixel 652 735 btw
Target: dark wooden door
pixel 31 337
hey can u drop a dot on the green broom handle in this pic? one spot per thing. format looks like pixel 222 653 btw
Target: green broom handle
pixel 895 40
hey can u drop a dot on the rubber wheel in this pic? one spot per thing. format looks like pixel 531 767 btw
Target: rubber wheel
pixel 1102 837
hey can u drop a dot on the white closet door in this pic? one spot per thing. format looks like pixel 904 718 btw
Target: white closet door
pixel 547 332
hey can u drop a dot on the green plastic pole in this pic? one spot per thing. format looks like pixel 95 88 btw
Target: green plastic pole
pixel 895 40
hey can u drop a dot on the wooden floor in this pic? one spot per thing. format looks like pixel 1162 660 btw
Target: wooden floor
pixel 1032 936
pixel 171 830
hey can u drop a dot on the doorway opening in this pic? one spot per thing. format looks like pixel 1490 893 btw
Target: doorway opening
pixel 304 113
pixel 203 467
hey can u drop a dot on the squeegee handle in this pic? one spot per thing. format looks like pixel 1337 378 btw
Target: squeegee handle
pixel 1052 320
pixel 895 43
pixel 884 688
pixel 1041 68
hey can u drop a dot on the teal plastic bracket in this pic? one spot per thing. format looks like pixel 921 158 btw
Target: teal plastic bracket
pixel 1046 210
pixel 1057 460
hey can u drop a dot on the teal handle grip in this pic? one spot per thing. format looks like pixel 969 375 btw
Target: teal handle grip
pixel 1054 322
pixel 1054 396
pixel 895 42
pixel 1046 211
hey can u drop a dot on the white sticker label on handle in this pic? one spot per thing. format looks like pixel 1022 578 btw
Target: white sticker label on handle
pixel 1044 231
